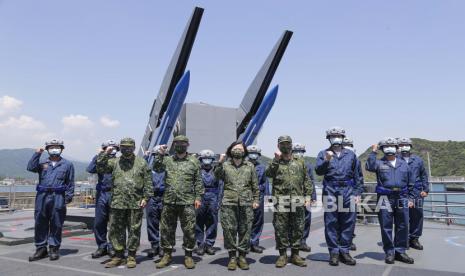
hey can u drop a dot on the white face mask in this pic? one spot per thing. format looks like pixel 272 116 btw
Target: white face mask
pixel 54 152
pixel 335 140
pixel 253 156
pixel 207 161
pixel 389 150
pixel 350 148
pixel 299 154
pixel 405 148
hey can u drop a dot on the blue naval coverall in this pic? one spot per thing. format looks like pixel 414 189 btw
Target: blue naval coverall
pixel 154 208
pixel 206 226
pixel 342 180
pixel 258 220
pixel 102 205
pixel 54 190
pixel 418 170
pixel 394 189
pixel 308 213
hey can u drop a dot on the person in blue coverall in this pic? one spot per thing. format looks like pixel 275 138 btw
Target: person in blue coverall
pixel 154 208
pixel 395 188
pixel 298 150
pixel 102 203
pixel 421 190
pixel 257 225
pixel 206 226
pixel 342 187
pixel 54 190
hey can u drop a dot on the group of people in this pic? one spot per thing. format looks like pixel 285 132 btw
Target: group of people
pixel 197 190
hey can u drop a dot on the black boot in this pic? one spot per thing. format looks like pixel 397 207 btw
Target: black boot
pixel 40 253
pixel 415 244
pixel 304 247
pixel 347 259
pixel 256 249
pixel 353 247
pixel 402 257
pixel 54 254
pixel 334 259
pixel 200 250
pixel 111 252
pixel 99 253
pixel 209 250
pixel 389 259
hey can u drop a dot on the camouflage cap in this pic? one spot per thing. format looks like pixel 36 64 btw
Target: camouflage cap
pixel 129 142
pixel 284 138
pixel 181 138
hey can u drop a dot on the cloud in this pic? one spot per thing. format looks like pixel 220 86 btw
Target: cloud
pixel 22 122
pixel 107 122
pixel 76 121
pixel 9 104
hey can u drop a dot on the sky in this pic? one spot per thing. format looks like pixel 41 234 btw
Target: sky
pixel 87 71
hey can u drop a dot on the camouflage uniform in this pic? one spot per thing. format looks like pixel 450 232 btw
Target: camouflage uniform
pixel 183 185
pixel 240 191
pixel 290 184
pixel 132 182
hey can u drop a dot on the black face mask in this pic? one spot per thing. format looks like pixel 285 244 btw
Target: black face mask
pixel 127 152
pixel 237 154
pixel 285 149
pixel 180 149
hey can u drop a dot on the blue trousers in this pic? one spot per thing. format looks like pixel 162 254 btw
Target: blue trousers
pixel 416 219
pixel 308 222
pixel 49 215
pixel 102 217
pixel 153 216
pixel 258 221
pixel 398 215
pixel 206 225
pixel 339 224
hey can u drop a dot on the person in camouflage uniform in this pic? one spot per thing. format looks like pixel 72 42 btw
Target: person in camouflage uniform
pixel 132 187
pixel 239 195
pixel 291 188
pixel 183 193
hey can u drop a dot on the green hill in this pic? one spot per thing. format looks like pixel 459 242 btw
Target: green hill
pixel 447 157
pixel 13 163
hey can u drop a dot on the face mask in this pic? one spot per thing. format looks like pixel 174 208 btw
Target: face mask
pixel 237 154
pixel 350 148
pixel 54 152
pixel 405 148
pixel 127 152
pixel 299 154
pixel 389 150
pixel 180 149
pixel 335 141
pixel 285 149
pixel 207 161
pixel 253 156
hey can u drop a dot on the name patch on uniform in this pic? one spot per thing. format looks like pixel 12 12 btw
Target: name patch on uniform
pixel 384 167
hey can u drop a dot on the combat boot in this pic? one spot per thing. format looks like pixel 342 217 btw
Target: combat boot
pixel 415 244
pixel 116 260
pixel 111 252
pixel 209 250
pixel 99 253
pixel 282 259
pixel 296 259
pixel 166 260
pixel 353 247
pixel 188 261
pixel 40 253
pixel 54 254
pixel 256 249
pixel 242 262
pixel 232 265
pixel 200 250
pixel 152 252
pixel 131 261
pixel 347 259
pixel 402 257
pixel 304 247
pixel 334 259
